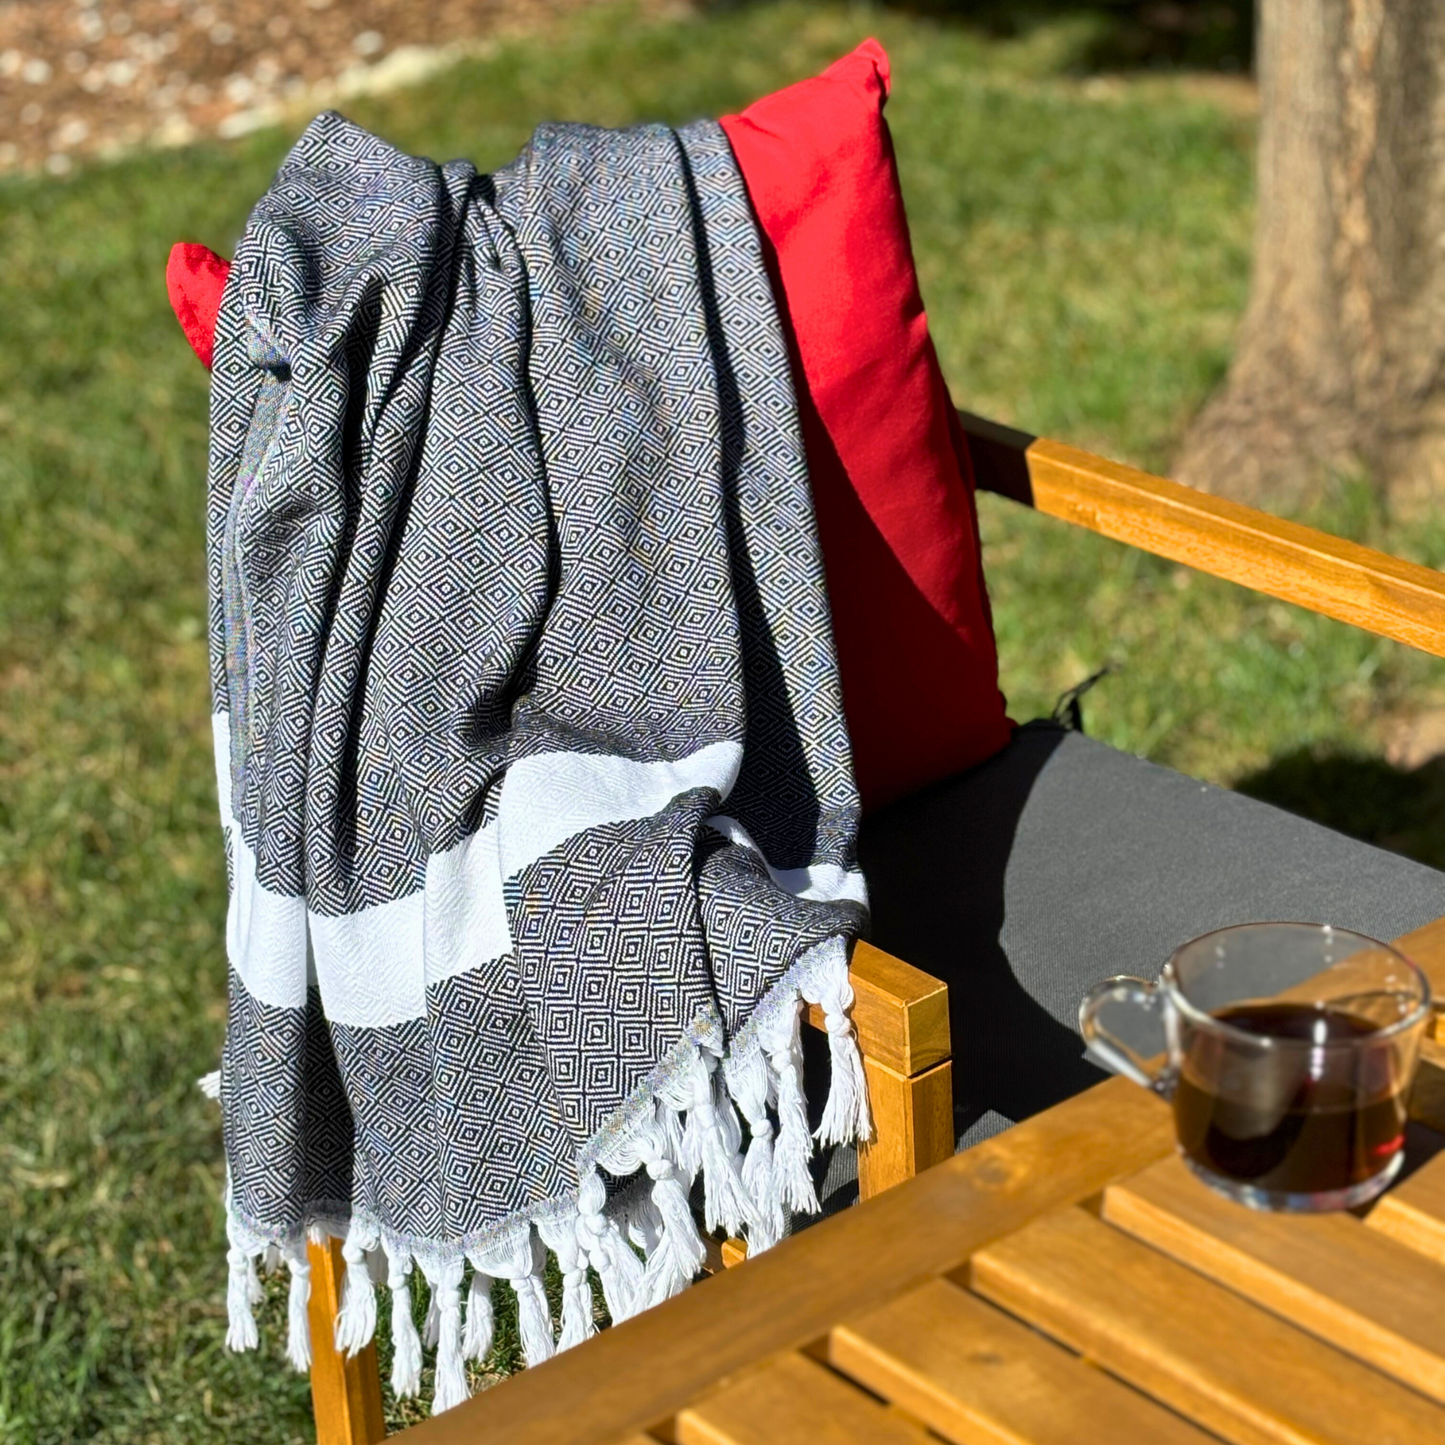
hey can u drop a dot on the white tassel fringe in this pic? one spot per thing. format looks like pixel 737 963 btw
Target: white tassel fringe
pixel 356 1319
pixel 845 1115
pixel 680 1252
pixel 298 1325
pixel 451 1375
pixel 794 1145
pixel 620 1271
pixel 678 1143
pixel 726 1201
pixel 732 1129
pixel 644 1223
pixel 748 1082
pixel 242 1291
pixel 477 1339
pixel 378 1266
pixel 534 1319
pixel 405 1342
pixel 253 1281
pixel 559 1234
pixel 520 1258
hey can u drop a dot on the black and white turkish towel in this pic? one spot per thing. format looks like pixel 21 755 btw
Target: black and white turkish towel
pixel 536 787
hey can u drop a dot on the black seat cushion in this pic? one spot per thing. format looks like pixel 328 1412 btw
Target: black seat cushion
pixel 1028 879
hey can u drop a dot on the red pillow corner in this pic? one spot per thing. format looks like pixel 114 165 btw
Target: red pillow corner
pixel 195 279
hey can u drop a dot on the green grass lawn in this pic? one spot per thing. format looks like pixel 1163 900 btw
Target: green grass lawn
pixel 1084 253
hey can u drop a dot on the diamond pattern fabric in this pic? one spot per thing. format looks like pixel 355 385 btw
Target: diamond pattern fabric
pixel 530 747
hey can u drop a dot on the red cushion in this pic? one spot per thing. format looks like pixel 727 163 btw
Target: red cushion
pixel 891 479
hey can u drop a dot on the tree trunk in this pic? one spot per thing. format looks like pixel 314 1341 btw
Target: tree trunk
pixel 1340 363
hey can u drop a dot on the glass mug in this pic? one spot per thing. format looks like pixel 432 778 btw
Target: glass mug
pixel 1290 1052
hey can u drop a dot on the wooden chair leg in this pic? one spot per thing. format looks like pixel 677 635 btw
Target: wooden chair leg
pixel 345 1393
pixel 912 1125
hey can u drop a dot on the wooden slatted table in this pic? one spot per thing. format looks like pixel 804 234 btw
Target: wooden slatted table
pixel 1067 1283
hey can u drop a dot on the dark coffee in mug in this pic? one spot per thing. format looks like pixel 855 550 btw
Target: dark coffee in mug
pixel 1302 1120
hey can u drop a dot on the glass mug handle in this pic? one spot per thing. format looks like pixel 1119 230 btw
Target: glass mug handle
pixel 1142 994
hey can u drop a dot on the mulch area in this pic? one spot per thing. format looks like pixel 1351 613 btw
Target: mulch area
pixel 96 77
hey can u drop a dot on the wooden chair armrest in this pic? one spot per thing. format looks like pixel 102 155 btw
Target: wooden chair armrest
pixel 1298 564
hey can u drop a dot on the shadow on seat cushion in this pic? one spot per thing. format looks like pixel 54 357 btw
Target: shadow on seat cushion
pixel 1026 880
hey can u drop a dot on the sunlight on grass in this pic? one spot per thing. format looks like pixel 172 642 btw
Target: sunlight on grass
pixel 1084 255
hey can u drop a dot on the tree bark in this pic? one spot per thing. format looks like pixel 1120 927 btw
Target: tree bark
pixel 1340 362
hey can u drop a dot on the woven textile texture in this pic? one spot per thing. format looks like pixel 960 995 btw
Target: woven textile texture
pixel 539 812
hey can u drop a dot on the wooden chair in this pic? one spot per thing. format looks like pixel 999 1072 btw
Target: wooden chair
pixel 901 1013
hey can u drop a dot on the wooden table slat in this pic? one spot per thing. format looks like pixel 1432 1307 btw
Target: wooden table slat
pixel 1413 1213
pixel 794 1401
pixel 1327 1273
pixel 1223 1362
pixel 975 1375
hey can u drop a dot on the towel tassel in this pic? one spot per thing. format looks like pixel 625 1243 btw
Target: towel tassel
pixel 477 1340
pixel 748 1083
pixel 519 1257
pixel 559 1234
pixel 680 1253
pixel 451 1376
pixel 644 1223
pixel 619 1270
pixel 356 1319
pixel 845 1116
pixel 793 1147
pixel 534 1315
pixel 298 1325
pixel 242 1291
pixel 405 1342
pixel 726 1201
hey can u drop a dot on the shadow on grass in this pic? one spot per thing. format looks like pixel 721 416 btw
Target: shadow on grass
pixel 1124 34
pixel 1115 34
pixel 1400 809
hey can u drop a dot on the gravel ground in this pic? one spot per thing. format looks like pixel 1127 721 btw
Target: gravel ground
pixel 97 77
